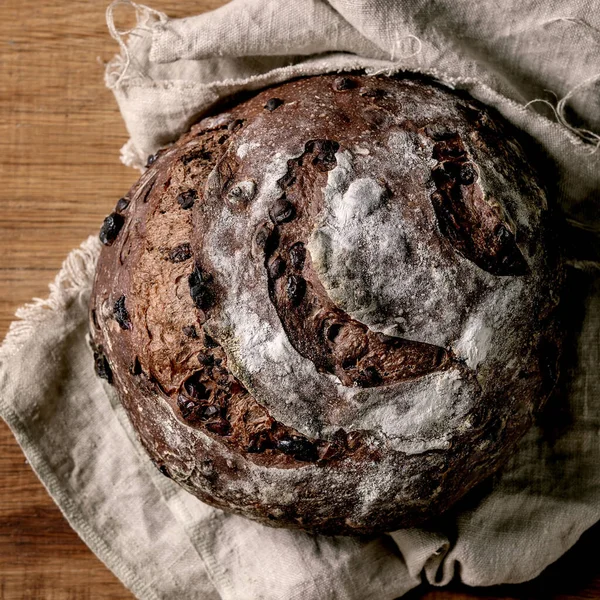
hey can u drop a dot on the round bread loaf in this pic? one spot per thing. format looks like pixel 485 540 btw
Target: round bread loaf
pixel 332 306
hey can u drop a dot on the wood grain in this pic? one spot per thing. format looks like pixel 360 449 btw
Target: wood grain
pixel 60 135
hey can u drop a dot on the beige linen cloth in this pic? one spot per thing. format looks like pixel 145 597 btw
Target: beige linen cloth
pixel 162 542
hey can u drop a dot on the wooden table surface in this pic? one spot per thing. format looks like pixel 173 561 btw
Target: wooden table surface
pixel 60 135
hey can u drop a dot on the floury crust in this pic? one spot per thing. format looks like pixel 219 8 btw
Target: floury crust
pixel 331 305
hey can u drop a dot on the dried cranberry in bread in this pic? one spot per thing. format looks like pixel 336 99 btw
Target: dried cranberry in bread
pixel 332 306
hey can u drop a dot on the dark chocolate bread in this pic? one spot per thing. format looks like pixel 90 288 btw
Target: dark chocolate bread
pixel 332 305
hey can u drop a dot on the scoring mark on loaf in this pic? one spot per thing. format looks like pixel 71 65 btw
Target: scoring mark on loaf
pixel 330 338
pixel 464 216
pixel 210 398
